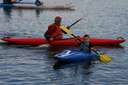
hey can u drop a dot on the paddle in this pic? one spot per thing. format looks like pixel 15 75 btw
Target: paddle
pixel 104 58
pixel 68 27
pixel 74 23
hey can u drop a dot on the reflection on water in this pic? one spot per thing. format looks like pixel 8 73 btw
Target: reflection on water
pixel 37 13
pixel 20 13
pixel 60 64
pixel 7 12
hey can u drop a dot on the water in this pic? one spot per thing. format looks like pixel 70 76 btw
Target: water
pixel 33 65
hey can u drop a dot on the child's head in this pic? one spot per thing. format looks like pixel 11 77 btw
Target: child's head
pixel 87 37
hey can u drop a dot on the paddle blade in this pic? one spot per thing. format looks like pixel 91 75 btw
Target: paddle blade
pixel 65 29
pixel 104 58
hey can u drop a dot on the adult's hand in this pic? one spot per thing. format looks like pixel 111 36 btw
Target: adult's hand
pixel 51 39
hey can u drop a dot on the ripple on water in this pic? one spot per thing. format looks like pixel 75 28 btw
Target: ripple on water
pixel 21 65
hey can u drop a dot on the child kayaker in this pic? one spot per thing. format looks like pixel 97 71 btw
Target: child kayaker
pixel 54 31
pixel 86 44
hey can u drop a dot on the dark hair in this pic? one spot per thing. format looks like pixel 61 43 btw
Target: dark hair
pixel 86 35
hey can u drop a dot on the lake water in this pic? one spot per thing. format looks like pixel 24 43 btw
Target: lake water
pixel 21 65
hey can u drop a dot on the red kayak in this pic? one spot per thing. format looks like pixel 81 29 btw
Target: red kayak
pixel 62 42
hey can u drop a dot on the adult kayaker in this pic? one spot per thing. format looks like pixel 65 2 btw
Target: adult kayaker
pixel 54 31
pixel 9 1
pixel 38 2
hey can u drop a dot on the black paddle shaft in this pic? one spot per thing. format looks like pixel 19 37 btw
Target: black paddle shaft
pixel 68 27
pixel 74 23
pixel 76 37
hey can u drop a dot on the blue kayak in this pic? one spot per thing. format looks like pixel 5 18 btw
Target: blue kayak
pixel 75 56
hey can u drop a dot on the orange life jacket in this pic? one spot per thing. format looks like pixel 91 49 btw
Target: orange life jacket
pixel 54 31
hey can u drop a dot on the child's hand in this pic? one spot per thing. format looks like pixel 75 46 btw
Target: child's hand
pixel 93 49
